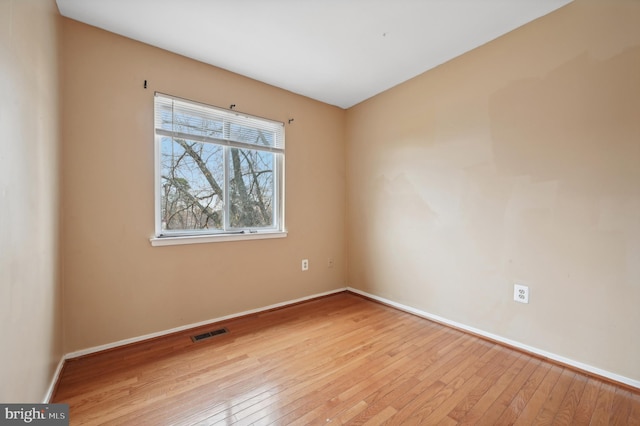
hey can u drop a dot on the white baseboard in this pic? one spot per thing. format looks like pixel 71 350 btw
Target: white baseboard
pixel 521 346
pixel 123 342
pixel 54 381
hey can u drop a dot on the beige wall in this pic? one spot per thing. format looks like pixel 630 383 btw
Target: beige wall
pixel 30 326
pixel 117 285
pixel 518 162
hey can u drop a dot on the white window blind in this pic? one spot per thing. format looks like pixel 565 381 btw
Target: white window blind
pixel 178 118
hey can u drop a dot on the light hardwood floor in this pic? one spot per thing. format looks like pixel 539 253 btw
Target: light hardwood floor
pixel 340 359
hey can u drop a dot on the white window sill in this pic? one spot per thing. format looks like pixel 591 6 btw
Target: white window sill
pixel 199 239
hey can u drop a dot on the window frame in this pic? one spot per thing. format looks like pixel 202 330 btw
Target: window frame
pixel 228 233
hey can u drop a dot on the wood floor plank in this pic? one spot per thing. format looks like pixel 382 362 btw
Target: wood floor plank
pixel 291 389
pixel 634 411
pixel 531 409
pixel 395 381
pixel 621 407
pixel 381 417
pixel 500 404
pixel 604 403
pixel 301 403
pixel 404 378
pixel 341 359
pixel 441 404
pixel 453 389
pixel 429 383
pixel 524 394
pixel 346 416
pixel 569 404
pixel 408 403
pixel 547 412
pixel 493 357
pixel 512 367
pixel 587 402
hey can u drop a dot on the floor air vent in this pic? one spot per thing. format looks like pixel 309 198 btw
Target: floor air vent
pixel 209 334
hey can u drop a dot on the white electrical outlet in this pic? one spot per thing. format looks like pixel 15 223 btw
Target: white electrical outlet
pixel 305 264
pixel 521 293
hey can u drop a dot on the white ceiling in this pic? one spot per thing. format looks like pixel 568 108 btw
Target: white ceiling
pixel 337 51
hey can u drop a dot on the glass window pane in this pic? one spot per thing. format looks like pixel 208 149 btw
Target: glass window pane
pixel 192 182
pixel 251 188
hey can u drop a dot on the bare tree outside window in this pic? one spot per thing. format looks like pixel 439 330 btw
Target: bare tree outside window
pixel 209 184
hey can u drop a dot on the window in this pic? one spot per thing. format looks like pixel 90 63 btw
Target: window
pixel 219 173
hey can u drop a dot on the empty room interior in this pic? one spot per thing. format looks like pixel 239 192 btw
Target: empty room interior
pixel 371 271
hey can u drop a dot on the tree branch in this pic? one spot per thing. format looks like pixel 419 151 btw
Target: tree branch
pixel 202 166
pixel 213 215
